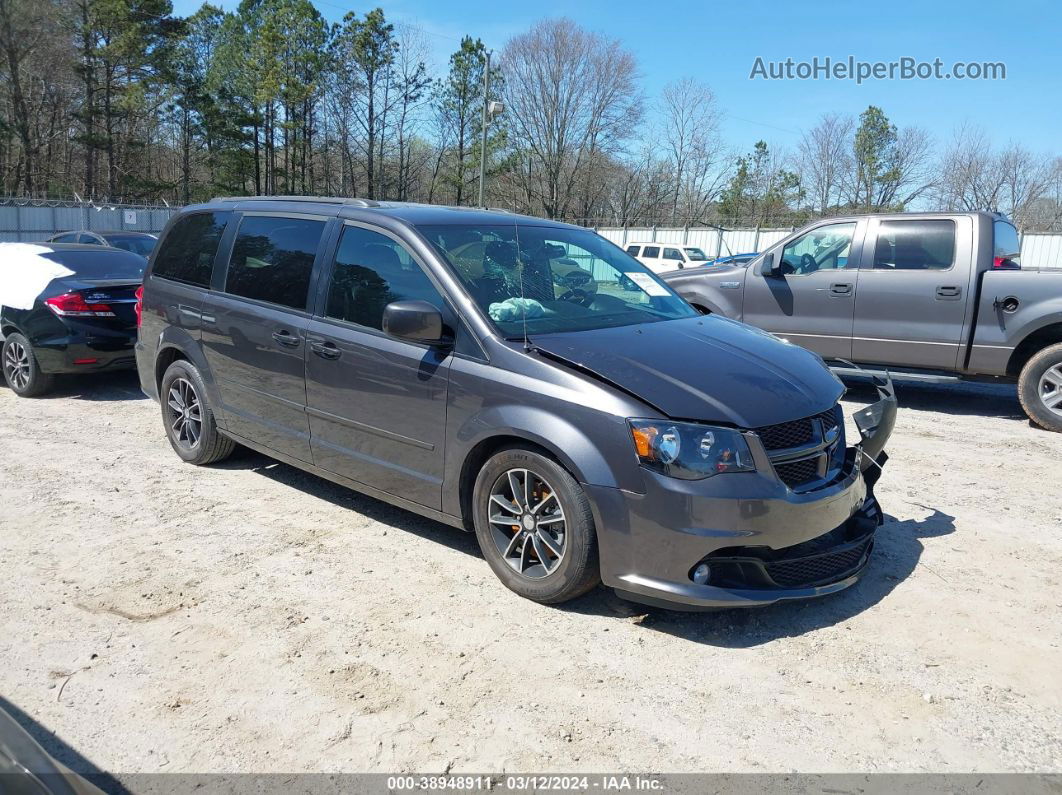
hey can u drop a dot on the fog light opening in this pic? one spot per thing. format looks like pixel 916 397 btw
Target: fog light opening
pixel 701 574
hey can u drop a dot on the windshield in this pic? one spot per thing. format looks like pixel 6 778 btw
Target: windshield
pixel 553 279
pixel 695 254
pixel 135 243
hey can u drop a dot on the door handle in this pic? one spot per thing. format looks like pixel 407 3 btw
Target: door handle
pixel 841 288
pixel 286 338
pixel 326 350
pixel 948 291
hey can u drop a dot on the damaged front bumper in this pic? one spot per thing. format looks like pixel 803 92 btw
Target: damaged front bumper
pixel 762 542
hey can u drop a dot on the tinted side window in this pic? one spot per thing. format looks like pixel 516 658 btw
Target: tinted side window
pixel 633 250
pixel 1006 250
pixel 673 253
pixel 651 251
pixel 91 240
pixel 915 245
pixel 272 258
pixel 371 271
pixel 69 237
pixel 187 252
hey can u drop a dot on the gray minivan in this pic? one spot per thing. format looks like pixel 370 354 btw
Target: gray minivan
pixel 521 378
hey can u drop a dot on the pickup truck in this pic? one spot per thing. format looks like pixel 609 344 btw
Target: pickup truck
pixel 925 296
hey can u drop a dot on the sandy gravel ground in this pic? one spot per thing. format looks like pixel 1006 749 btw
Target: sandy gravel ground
pixel 248 617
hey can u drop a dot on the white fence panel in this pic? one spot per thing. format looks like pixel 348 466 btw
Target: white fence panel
pixel 1041 252
pixel 710 241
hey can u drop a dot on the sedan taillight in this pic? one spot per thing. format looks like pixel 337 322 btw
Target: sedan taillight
pixel 139 304
pixel 74 305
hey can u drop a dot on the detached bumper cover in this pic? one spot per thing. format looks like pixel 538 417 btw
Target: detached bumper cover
pixel 763 542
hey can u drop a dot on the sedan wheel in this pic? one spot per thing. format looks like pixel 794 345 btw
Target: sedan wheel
pixel 17 366
pixel 21 369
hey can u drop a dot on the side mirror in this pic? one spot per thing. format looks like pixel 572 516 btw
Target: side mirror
pixel 770 267
pixel 417 321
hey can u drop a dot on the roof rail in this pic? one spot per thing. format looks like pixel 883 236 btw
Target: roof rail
pixel 309 199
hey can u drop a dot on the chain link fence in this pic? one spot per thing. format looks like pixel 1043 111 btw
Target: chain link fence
pixel 26 221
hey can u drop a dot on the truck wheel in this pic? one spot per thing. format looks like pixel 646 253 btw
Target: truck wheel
pixel 1040 388
pixel 188 419
pixel 534 526
pixel 22 371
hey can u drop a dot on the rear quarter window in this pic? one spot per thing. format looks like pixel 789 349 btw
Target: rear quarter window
pixel 1005 246
pixel 651 251
pixel 187 252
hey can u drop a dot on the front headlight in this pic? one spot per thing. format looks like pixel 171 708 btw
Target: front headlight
pixel 689 451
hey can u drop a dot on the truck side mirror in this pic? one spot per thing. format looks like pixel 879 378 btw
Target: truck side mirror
pixel 770 267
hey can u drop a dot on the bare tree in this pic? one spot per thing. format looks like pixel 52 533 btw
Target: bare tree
pixel 971 175
pixel 1026 179
pixel 825 161
pixel 968 174
pixel 694 149
pixel 570 95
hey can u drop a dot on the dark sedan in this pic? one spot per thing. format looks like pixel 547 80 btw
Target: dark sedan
pixel 83 318
pixel 138 242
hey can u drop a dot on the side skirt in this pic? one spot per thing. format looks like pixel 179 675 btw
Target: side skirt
pixel 383 496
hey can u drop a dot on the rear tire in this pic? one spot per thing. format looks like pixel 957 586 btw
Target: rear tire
pixel 22 371
pixel 550 562
pixel 1040 388
pixel 188 418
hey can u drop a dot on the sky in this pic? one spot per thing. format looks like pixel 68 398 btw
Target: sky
pixel 719 42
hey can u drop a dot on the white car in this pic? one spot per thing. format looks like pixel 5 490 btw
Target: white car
pixel 663 257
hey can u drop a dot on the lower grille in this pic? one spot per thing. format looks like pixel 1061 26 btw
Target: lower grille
pixel 816 569
pixel 821 561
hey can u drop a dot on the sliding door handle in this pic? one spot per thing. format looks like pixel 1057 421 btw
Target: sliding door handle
pixel 286 338
pixel 326 350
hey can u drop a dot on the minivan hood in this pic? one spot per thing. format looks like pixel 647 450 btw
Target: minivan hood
pixel 708 369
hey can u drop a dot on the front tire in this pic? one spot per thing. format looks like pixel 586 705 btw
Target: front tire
pixel 188 418
pixel 22 371
pixel 1040 388
pixel 535 527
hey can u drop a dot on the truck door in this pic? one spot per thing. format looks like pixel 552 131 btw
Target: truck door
pixel 673 259
pixel 913 285
pixel 811 301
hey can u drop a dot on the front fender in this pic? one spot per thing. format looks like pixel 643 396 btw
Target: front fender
pixel 560 436
pixel 719 290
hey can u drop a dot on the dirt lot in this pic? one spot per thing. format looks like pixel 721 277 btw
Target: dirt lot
pixel 249 617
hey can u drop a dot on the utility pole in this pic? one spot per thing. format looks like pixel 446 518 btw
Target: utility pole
pixel 483 140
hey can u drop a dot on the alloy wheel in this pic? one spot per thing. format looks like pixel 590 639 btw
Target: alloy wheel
pixel 527 523
pixel 185 413
pixel 17 365
pixel 1051 389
